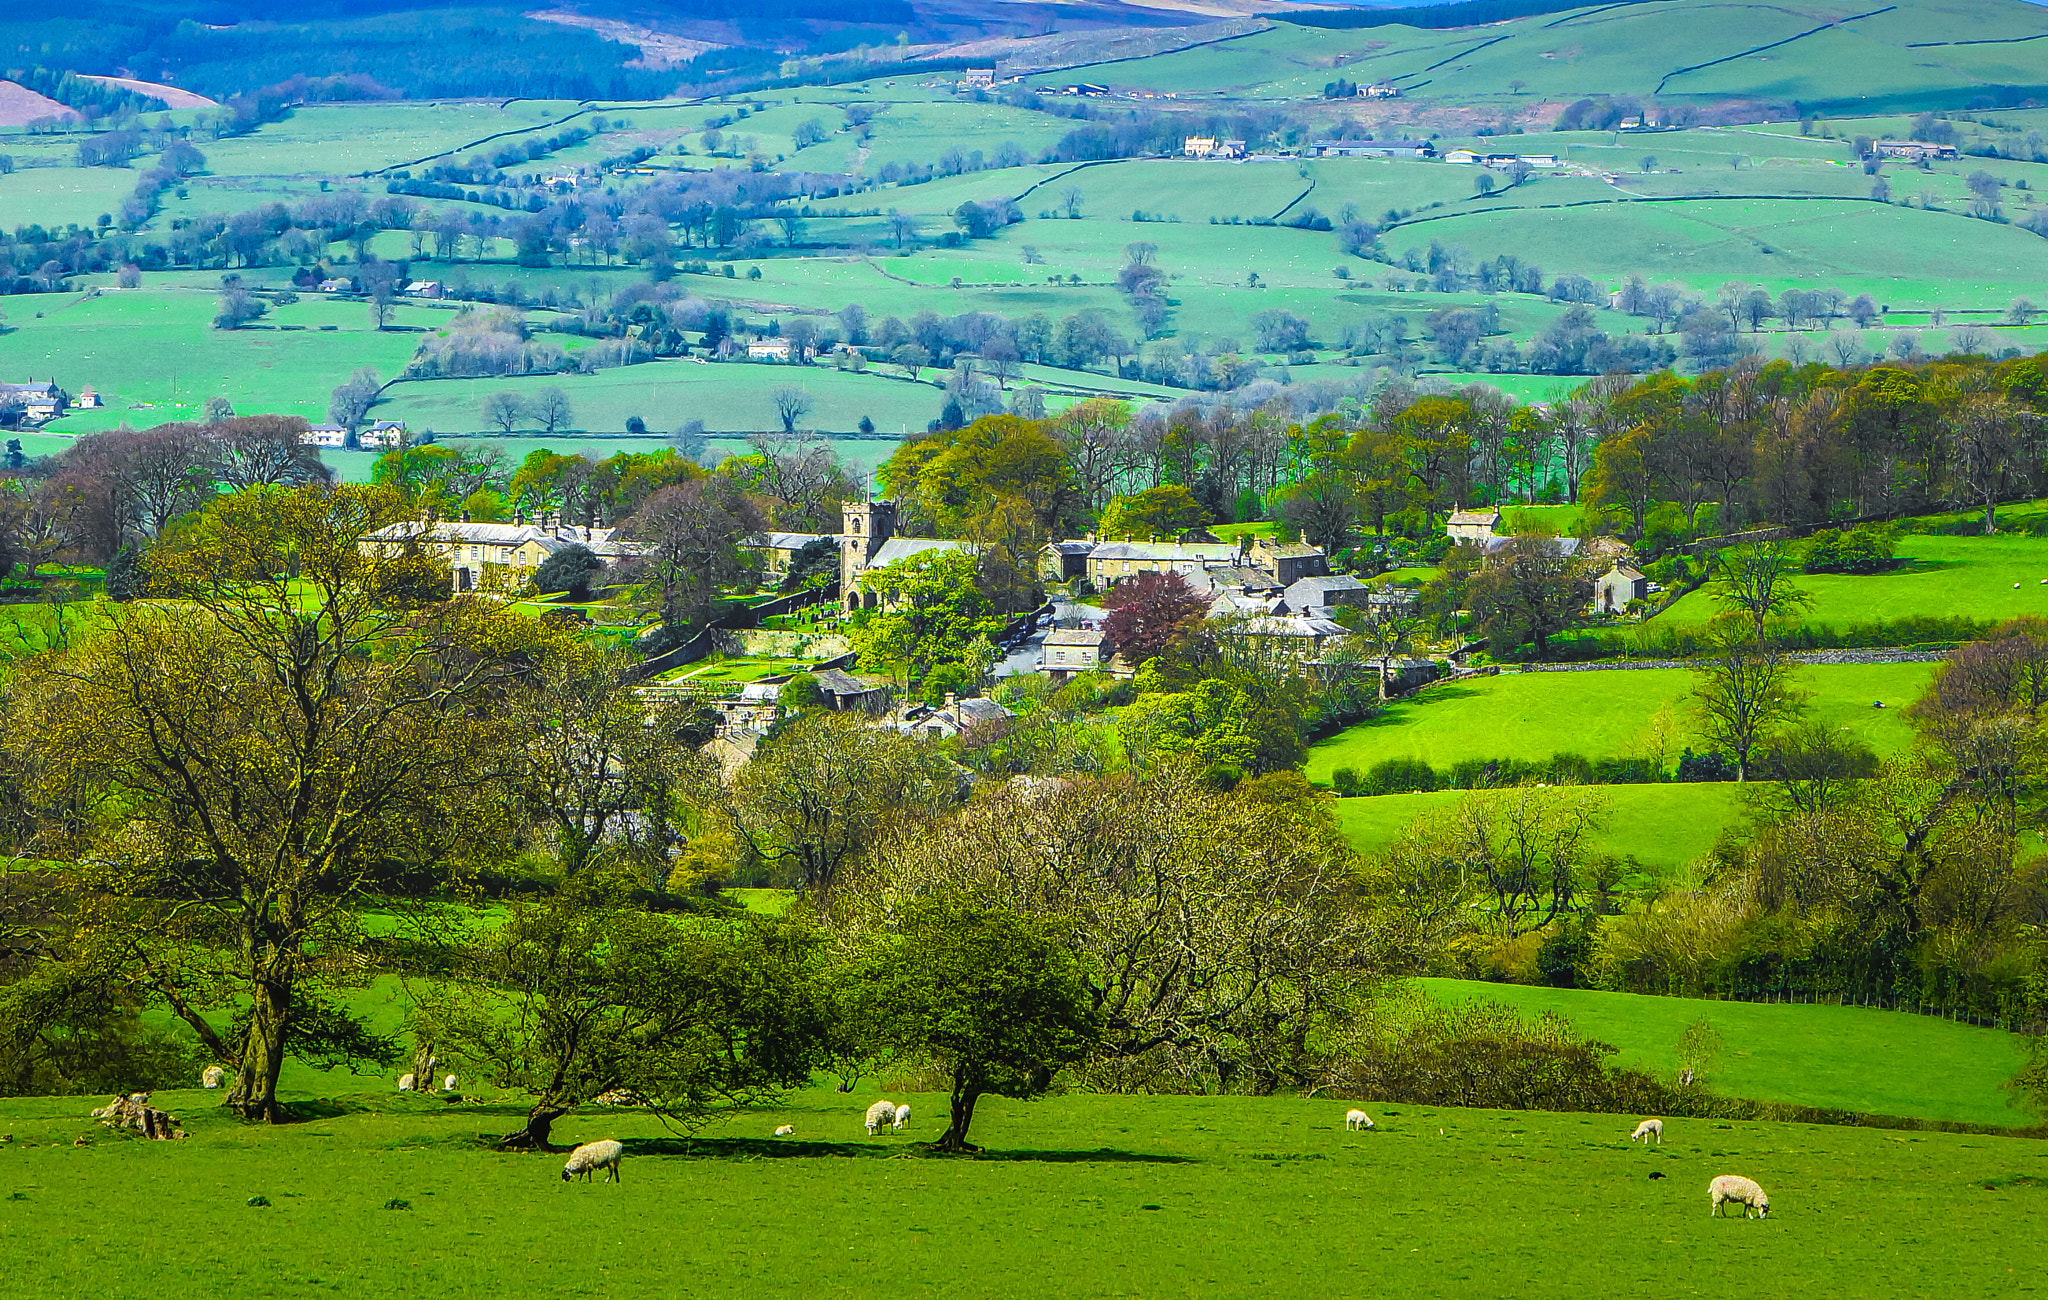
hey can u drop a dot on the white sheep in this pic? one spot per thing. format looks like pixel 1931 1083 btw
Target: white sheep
pixel 1740 1190
pixel 1356 1120
pixel 406 1082
pixel 882 1112
pixel 448 1084
pixel 592 1156
pixel 1649 1128
pixel 901 1117
pixel 787 1130
pixel 212 1077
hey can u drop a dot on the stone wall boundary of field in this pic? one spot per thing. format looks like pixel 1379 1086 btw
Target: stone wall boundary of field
pixel 1817 657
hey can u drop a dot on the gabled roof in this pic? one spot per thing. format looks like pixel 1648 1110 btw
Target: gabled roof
pixel 834 682
pixel 1624 572
pixel 1089 636
pixel 1290 625
pixel 787 541
pixel 1299 591
pixel 1487 517
pixel 902 548
pixel 1191 552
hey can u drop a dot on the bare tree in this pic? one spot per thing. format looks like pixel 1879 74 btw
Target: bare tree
pixel 265 451
pixel 1070 200
pixel 791 404
pixel 504 409
pixel 1000 356
pixel 551 408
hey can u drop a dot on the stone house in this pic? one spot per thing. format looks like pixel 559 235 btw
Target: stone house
pixel 1617 587
pixel 1071 651
pixel 1472 525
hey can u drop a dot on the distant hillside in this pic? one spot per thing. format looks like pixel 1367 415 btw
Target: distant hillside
pixel 1826 55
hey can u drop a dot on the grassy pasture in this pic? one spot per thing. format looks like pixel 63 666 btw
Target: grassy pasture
pixel 1970 576
pixel 1086 1195
pixel 1661 826
pixel 1885 1062
pixel 1598 714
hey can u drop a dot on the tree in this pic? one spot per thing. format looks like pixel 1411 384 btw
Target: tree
pixel 994 998
pixel 265 451
pixel 1528 592
pixel 1071 199
pixel 351 401
pixel 1146 610
pixel 569 569
pixel 237 305
pixel 232 772
pixel 791 404
pixel 933 627
pixel 1168 510
pixel 911 358
pixel 551 409
pixel 504 410
pixel 38 520
pixel 2022 311
pixel 691 536
pixel 902 227
pixel 1755 582
pixel 579 994
pixel 1742 691
pixel 827 789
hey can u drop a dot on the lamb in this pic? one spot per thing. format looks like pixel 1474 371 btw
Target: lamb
pixel 448 1084
pixel 882 1112
pixel 212 1077
pixel 901 1117
pixel 1356 1120
pixel 1649 1128
pixel 1742 1191
pixel 787 1130
pixel 406 1082
pixel 592 1156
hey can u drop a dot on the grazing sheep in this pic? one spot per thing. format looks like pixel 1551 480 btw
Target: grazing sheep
pixel 406 1082
pixel 1740 1190
pixel 882 1112
pixel 1649 1128
pixel 448 1084
pixel 901 1117
pixel 1356 1120
pixel 212 1077
pixel 592 1156
pixel 787 1130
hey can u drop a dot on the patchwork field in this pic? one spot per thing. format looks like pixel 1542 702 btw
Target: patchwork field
pixel 1661 826
pixel 1598 714
pixel 1852 1058
pixel 1992 578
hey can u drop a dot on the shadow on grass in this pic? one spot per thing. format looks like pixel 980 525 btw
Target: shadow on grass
pixel 789 1149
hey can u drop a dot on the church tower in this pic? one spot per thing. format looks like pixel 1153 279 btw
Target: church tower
pixel 864 526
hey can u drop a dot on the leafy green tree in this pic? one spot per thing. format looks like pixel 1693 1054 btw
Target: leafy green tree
pixel 995 998
pixel 932 615
pixel 1166 511
pixel 234 770
pixel 569 569
pixel 580 994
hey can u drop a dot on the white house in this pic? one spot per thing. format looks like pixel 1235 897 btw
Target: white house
pixel 324 435
pixel 1069 651
pixel 1617 587
pixel 1472 525
pixel 768 349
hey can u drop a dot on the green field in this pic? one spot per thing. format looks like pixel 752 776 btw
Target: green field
pixel 1661 826
pixel 1991 578
pixel 1597 714
pixel 1850 1058
pixel 1084 1195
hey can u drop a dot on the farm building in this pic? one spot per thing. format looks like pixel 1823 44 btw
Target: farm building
pixel 1379 90
pixel 424 289
pixel 1372 149
pixel 1069 651
pixel 39 401
pixel 1462 157
pixel 1202 146
pixel 325 435
pixel 335 284
pixel 1471 525
pixel 1065 561
pixel 983 77
pixel 776 349
pixel 1617 587
pixel 381 435
pixel 1915 150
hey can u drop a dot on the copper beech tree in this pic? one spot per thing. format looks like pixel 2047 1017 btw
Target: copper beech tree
pixel 230 765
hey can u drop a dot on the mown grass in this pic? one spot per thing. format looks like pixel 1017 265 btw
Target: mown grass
pixel 1600 715
pixel 1661 826
pixel 1991 578
pixel 1081 1196
pixel 1852 1058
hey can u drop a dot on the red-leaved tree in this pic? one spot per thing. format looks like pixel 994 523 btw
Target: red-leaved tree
pixel 1145 611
